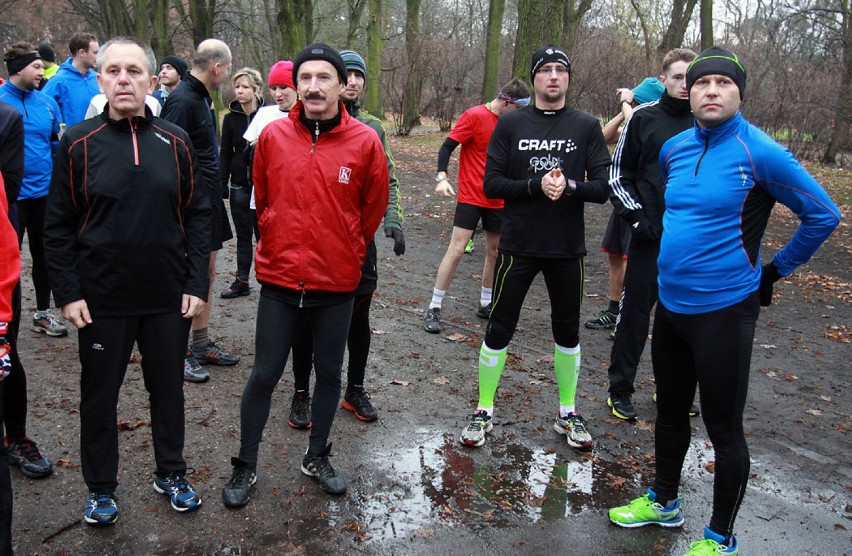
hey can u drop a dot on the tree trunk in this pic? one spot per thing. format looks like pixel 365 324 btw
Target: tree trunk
pixel 681 15
pixel 373 100
pixel 292 27
pixel 706 24
pixel 843 111
pixel 493 41
pixel 356 9
pixel 572 15
pixel 414 79
pixel 539 23
pixel 201 16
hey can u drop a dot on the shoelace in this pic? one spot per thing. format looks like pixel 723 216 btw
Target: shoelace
pixel 29 450
pixel 477 421
pixel 242 476
pixel 578 424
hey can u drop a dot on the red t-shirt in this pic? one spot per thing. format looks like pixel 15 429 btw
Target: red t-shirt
pixel 473 131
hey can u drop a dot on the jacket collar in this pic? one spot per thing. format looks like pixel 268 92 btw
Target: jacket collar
pixel 721 132
pixel 675 106
pixel 17 91
pixel 344 116
pixel 197 86
pixel 124 124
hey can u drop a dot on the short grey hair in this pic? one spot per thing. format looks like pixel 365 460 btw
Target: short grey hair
pixel 209 52
pixel 149 53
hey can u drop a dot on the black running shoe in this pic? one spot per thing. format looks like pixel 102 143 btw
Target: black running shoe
pixel 484 311
pixel 432 324
pixel 604 320
pixel 300 411
pixel 24 453
pixel 238 289
pixel 236 491
pixel 622 406
pixel 358 402
pixel 320 468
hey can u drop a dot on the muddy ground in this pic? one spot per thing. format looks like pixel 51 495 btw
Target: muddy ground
pixel 412 488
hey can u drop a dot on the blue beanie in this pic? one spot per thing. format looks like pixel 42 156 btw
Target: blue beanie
pixel 649 90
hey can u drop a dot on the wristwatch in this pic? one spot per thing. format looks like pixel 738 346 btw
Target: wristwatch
pixel 438 177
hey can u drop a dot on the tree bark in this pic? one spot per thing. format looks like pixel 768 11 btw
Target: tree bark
pixel 493 42
pixel 414 79
pixel 375 27
pixel 843 111
pixel 681 15
pixel 706 24
pixel 291 27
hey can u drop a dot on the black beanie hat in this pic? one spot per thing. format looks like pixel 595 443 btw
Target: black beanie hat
pixel 176 62
pixel 320 51
pixel 46 52
pixel 546 55
pixel 717 61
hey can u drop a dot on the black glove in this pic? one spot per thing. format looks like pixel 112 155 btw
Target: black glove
pixel 5 362
pixel 642 230
pixel 769 275
pixel 398 240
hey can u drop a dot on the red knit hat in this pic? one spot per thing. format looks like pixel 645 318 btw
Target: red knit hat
pixel 281 73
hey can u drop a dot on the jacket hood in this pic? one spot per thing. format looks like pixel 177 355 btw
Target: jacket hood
pixel 68 67
pixel 235 106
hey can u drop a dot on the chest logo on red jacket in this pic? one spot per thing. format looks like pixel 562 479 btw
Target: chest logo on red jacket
pixel 344 175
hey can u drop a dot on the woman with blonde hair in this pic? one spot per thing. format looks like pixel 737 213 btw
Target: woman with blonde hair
pixel 232 170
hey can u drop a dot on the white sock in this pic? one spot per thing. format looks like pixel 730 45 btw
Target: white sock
pixel 437 298
pixel 564 410
pixel 488 410
pixel 485 296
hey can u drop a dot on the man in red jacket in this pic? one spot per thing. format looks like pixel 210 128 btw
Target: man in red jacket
pixel 321 189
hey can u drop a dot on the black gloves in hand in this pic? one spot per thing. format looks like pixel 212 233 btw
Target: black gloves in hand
pixel 642 229
pixel 5 362
pixel 398 240
pixel 769 275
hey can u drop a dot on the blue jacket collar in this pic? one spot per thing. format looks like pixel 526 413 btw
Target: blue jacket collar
pixel 719 133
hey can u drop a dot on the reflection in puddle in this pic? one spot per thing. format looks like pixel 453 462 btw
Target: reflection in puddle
pixel 440 482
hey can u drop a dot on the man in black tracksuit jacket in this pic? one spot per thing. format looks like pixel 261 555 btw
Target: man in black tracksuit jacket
pixel 546 161
pixel 636 182
pixel 126 238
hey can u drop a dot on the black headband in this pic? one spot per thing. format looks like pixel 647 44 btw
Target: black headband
pixel 16 64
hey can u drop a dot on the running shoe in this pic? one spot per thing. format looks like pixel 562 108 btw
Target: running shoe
pixel 622 406
pixel 713 545
pixel 604 320
pixel 300 410
pixel 318 467
pixel 24 453
pixel 181 494
pixel 236 491
pixel 238 288
pixel 474 433
pixel 484 311
pixel 101 509
pixel 358 402
pixel 645 511
pixel 432 323
pixel 192 371
pixel 468 249
pixel 214 355
pixel 46 322
pixel 573 426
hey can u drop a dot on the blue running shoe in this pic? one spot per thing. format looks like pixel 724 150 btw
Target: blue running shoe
pixel 101 509
pixel 177 488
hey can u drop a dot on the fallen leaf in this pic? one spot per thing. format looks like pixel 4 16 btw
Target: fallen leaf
pixel 816 412
pixel 441 380
pixel 710 467
pixel 400 382
pixel 791 378
pixel 457 337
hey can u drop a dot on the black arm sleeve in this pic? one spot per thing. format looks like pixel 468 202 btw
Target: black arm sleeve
pixel 444 153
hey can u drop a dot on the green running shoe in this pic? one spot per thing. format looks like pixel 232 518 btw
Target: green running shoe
pixel 645 511
pixel 712 545
pixel 469 247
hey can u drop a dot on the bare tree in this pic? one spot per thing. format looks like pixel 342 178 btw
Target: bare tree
pixel 493 39
pixel 706 24
pixel 375 30
pixel 414 79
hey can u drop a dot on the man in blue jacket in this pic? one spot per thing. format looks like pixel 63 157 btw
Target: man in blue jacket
pixel 76 82
pixel 722 177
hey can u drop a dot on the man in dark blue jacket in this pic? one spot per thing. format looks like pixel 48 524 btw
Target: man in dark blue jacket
pixel 189 106
pixel 722 177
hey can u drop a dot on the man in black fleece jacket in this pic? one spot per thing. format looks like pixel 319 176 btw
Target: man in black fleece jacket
pixel 126 234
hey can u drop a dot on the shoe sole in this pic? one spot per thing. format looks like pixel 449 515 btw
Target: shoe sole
pixel 41 330
pixel 196 380
pixel 599 326
pixel 230 295
pixel 617 414
pixel 666 524
pixel 305 471
pixel 14 460
pixel 97 523
pixel 583 447
pixel 349 407
pixel 299 427
pixel 172 504
pixel 489 426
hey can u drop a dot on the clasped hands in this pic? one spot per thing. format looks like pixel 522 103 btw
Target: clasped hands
pixel 553 184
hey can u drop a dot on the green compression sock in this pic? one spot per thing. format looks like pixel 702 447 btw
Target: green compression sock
pixel 491 363
pixel 566 364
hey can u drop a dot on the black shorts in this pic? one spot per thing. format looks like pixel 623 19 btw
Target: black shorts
pixel 221 230
pixel 616 239
pixel 467 217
